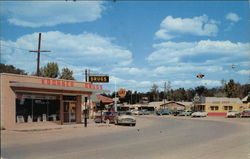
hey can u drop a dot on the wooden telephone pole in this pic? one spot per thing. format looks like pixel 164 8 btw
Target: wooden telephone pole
pixel 38 54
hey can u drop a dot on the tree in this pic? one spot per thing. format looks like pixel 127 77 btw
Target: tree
pixel 201 90
pixel 155 92
pixel 11 69
pixel 231 89
pixel 190 93
pixel 66 74
pixel 50 70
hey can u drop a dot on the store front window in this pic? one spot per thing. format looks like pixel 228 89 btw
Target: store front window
pixel 37 108
pixel 228 107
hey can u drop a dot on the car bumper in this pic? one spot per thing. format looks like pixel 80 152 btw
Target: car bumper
pixel 126 122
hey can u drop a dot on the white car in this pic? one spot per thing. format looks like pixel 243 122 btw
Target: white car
pixel 199 114
pixel 125 119
pixel 136 112
pixel 233 114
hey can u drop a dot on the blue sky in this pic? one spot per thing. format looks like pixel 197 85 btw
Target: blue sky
pixel 136 43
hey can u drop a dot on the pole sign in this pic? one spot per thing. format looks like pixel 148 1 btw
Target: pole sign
pixel 122 92
pixel 99 79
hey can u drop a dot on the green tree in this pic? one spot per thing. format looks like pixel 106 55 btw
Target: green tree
pixel 11 69
pixel 66 74
pixel 201 90
pixel 231 89
pixel 190 93
pixel 50 70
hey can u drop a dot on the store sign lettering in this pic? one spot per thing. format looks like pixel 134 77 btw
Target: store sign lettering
pixel 69 84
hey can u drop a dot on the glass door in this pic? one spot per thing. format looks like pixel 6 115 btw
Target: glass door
pixel 69 112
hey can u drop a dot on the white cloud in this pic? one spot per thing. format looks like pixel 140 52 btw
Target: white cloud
pixel 172 52
pixel 129 71
pixel 37 14
pixel 184 68
pixel 163 34
pixel 68 50
pixel 244 72
pixel 233 17
pixel 201 26
pixel 129 84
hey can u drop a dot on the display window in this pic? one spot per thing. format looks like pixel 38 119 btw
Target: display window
pixel 37 108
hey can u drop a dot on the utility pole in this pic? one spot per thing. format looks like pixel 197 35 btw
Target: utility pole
pixel 86 100
pixel 85 112
pixel 38 54
pixel 165 88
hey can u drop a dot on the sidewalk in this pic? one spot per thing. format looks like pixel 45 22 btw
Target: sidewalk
pixel 28 128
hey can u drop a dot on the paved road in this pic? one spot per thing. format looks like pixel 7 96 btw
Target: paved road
pixel 167 138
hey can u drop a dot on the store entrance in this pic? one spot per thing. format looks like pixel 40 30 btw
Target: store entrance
pixel 69 112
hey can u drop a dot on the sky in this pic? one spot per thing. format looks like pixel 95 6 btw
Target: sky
pixel 137 44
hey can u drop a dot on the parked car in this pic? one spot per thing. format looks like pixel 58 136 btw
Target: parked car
pixel 185 113
pixel 125 119
pixel 106 117
pixel 144 112
pixel 175 113
pixel 163 112
pixel 137 112
pixel 199 114
pixel 233 114
pixel 245 113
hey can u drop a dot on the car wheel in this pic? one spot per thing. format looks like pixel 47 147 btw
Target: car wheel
pixel 133 124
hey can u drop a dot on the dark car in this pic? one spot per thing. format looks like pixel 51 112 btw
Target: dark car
pixel 163 112
pixel 106 117
pixel 175 113
pixel 245 113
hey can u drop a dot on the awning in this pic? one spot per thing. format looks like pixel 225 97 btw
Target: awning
pixel 43 87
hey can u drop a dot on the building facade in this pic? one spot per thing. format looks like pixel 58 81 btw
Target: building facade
pixel 30 100
pixel 219 106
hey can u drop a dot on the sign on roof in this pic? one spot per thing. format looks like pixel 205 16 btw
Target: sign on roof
pixel 99 79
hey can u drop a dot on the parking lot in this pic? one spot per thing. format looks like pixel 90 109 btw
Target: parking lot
pixel 152 137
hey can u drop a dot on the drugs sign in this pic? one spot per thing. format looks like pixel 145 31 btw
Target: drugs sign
pixel 99 79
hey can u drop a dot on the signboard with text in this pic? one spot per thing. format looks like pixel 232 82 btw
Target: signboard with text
pixel 99 79
pixel 56 82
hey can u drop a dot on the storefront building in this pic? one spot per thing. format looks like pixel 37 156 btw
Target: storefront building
pixel 30 100
pixel 174 106
pixel 216 106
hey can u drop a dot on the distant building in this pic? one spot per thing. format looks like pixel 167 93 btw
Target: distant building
pixel 219 106
pixel 246 99
pixel 174 106
pixel 144 100
pixel 171 105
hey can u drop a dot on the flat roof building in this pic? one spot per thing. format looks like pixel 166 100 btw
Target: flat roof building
pixel 219 106
pixel 31 100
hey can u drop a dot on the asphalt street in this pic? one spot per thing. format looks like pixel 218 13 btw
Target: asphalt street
pixel 164 138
